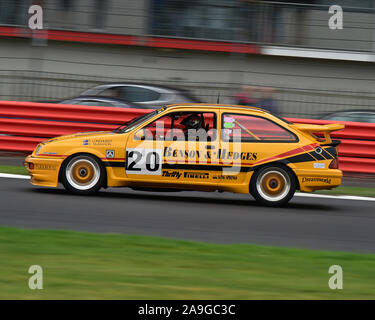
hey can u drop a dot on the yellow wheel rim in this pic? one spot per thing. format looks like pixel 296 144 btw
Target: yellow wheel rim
pixel 273 185
pixel 82 172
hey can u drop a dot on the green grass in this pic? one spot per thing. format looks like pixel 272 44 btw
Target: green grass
pixel 353 191
pixel 13 169
pixel 109 266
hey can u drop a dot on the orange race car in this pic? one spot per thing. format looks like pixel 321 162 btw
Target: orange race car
pixel 195 147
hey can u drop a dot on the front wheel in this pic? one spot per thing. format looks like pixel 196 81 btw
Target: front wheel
pixel 82 174
pixel 273 185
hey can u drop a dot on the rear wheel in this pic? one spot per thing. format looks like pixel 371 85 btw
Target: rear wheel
pixel 273 185
pixel 82 174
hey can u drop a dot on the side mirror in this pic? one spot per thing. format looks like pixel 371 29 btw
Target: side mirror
pixel 140 135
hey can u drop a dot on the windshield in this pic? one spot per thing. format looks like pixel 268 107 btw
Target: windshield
pixel 126 127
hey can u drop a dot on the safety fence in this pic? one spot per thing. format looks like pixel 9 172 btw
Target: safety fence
pixel 24 124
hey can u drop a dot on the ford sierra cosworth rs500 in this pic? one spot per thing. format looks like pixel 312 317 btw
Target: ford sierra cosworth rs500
pixel 203 147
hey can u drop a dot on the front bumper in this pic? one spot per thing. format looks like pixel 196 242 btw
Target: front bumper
pixel 43 171
pixel 311 180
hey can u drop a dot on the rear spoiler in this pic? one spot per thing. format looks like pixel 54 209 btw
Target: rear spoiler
pixel 326 129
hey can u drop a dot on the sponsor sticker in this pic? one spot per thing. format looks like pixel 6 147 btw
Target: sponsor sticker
pixel 221 154
pixel 97 142
pixel 45 167
pixel 316 179
pixel 101 142
pixel 196 175
pixel 223 177
pixel 50 153
pixel 229 123
pixel 318 165
pixel 110 154
pixel 229 119
pixel 171 174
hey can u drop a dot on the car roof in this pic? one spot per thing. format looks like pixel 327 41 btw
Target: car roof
pixel 108 99
pixel 215 106
pixel 99 98
pixel 137 84
pixel 103 98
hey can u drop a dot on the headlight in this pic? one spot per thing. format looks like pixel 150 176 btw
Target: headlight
pixel 38 148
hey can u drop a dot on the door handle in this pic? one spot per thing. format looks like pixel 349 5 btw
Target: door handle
pixel 210 147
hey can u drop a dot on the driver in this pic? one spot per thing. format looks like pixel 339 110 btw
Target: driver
pixel 193 122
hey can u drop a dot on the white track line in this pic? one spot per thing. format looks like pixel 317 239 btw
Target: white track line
pixel 13 176
pixel 298 194
pixel 313 195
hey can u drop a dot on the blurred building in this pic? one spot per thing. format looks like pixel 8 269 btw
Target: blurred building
pixel 208 46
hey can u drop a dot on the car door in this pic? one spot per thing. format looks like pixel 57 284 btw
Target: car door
pixel 247 140
pixel 164 152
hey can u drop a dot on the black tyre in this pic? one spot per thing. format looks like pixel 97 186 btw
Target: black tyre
pixel 83 174
pixel 273 185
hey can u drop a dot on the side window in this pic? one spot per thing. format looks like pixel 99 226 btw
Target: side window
pixel 138 94
pixel 252 129
pixel 181 126
pixel 130 93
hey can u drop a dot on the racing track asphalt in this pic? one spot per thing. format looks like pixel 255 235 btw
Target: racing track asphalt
pixel 317 223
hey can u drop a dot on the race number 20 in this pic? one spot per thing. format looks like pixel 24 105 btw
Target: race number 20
pixel 143 161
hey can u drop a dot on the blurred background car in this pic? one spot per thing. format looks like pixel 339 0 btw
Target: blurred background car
pixel 352 115
pixel 147 96
pixel 100 101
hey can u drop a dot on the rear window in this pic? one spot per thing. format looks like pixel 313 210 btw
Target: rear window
pixel 253 129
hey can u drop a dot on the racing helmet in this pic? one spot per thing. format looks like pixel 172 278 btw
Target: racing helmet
pixel 193 122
